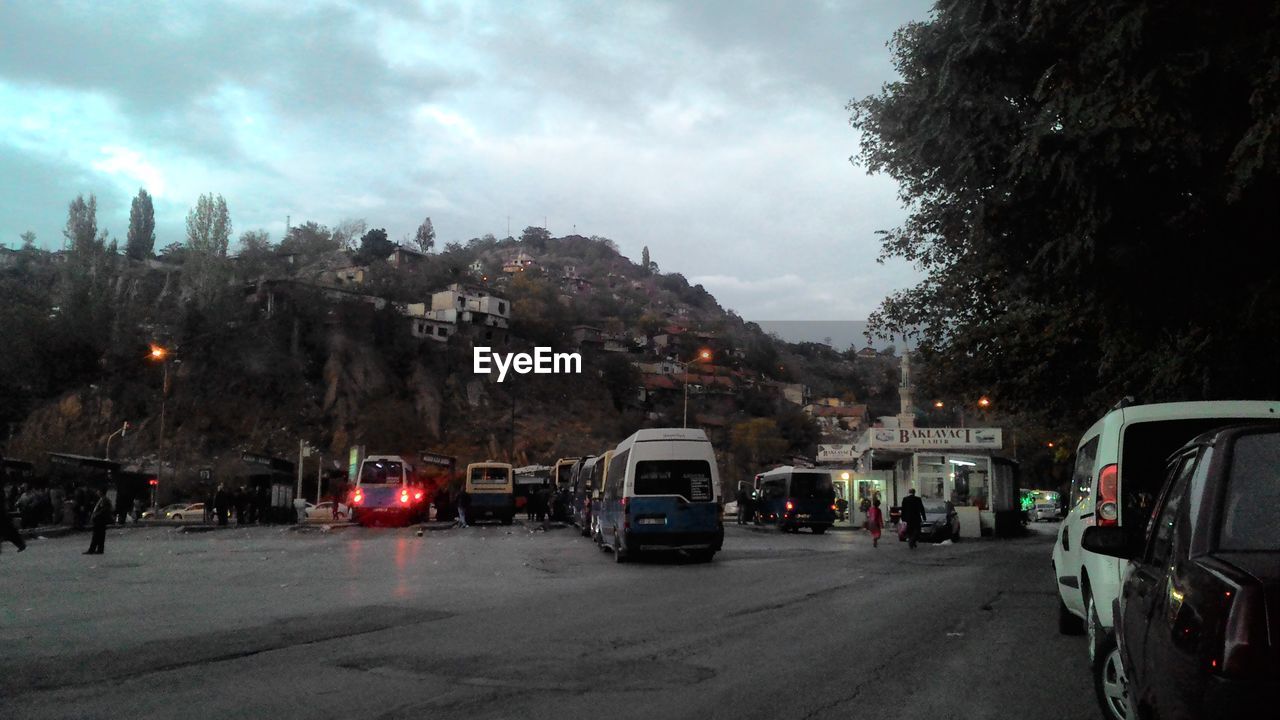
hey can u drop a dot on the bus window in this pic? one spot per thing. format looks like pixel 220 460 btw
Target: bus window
pixel 489 476
pixel 381 472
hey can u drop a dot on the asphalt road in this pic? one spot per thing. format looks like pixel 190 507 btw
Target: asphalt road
pixel 503 622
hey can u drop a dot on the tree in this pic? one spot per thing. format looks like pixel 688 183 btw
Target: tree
pixel 535 237
pixel 141 238
pixel 644 258
pixel 621 378
pixel 309 239
pixel 425 237
pixel 1084 179
pixel 209 227
pixel 757 441
pixel 348 233
pixel 28 239
pixel 82 227
pixel 374 245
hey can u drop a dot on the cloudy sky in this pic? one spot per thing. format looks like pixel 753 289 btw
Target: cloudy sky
pixel 713 132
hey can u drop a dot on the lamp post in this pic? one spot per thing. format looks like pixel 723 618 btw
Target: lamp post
pixel 702 355
pixel 160 354
pixel 121 432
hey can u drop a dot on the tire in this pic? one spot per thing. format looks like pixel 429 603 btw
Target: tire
pixel 342 517
pixel 955 534
pixel 819 529
pixel 1094 632
pixel 507 520
pixel 702 556
pixel 618 555
pixel 1068 624
pixel 1110 684
pixel 177 517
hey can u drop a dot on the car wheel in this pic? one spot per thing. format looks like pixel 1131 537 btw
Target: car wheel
pixel 1068 624
pixel 1110 683
pixel 342 517
pixel 177 517
pixel 1095 633
pixel 819 529
pixel 618 555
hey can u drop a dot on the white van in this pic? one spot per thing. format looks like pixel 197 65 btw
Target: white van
pixel 1120 467
pixel 662 493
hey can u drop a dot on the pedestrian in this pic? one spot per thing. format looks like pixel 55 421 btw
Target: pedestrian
pixel 221 500
pixel 913 516
pixel 210 502
pixel 875 522
pixel 744 501
pixel 300 508
pixel 7 530
pixel 337 502
pixel 464 507
pixel 240 500
pixel 98 519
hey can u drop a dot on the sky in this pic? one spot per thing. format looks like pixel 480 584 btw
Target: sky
pixel 714 133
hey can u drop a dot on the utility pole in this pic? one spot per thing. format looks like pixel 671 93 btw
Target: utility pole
pixel 319 475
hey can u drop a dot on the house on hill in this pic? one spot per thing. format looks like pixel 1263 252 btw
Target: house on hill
pixel 405 257
pixel 518 264
pixel 469 309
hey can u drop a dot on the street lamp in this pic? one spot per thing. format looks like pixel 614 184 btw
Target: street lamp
pixel 702 355
pixel 123 429
pixel 160 354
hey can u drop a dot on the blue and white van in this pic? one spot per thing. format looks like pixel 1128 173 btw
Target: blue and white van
pixel 662 494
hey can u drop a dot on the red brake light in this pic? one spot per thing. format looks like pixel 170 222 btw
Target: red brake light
pixel 790 505
pixel 404 496
pixel 1244 634
pixel 1108 500
pixel 417 495
pixel 357 499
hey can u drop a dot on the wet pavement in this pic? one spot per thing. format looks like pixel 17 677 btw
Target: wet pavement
pixel 499 622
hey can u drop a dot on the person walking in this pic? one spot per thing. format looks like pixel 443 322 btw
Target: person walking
pixel 7 530
pixel 744 502
pixel 464 506
pixel 221 501
pixel 875 522
pixel 98 519
pixel 913 516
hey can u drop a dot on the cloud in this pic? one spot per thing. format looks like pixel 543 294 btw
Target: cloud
pixel 713 133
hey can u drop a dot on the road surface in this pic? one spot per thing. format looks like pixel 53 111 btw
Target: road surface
pixel 505 622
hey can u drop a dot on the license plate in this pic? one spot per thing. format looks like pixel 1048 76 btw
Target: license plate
pixel 803 516
pixel 651 521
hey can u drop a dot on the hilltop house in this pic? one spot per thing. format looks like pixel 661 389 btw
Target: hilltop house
pixel 405 257
pixel 461 308
pixel 518 263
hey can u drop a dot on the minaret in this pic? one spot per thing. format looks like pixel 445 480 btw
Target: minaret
pixel 906 417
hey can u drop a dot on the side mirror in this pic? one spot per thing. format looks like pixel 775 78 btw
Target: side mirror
pixel 1110 541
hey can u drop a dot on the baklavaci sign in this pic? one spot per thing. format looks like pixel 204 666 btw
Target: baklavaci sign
pixel 936 438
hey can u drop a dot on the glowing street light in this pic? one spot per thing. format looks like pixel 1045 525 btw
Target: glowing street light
pixel 984 402
pixel 160 354
pixel 702 355
pixel 939 404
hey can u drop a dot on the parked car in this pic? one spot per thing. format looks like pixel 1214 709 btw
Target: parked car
pixel 1119 470
pixel 153 513
pixel 193 511
pixel 1198 618
pixel 1044 510
pixel 941 522
pixel 324 511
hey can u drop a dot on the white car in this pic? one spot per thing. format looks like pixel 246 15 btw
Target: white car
pixel 192 511
pixel 1120 468
pixel 324 512
pixel 152 514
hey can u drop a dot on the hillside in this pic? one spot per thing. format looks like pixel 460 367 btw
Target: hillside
pixel 334 345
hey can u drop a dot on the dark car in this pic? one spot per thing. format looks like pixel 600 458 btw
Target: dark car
pixel 1197 630
pixel 940 521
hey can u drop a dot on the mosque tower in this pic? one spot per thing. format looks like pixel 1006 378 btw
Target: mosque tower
pixel 906 414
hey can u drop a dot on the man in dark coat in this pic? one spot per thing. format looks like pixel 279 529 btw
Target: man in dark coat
pixel 464 507
pixel 7 530
pixel 913 516
pixel 221 504
pixel 98 519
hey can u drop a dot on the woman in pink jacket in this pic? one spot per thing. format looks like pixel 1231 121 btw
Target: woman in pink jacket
pixel 875 522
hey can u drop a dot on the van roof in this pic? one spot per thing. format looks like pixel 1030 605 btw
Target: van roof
pixel 784 469
pixel 655 434
pixel 1154 412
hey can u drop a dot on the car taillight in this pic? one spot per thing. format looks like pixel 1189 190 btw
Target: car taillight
pixel 833 506
pixel 357 499
pixel 417 495
pixel 404 496
pixel 1108 502
pixel 1244 634
pixel 791 505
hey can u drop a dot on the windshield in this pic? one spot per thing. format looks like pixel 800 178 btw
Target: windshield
pixel 381 472
pixel 489 475
pixel 935 507
pixel 1250 520
pixel 690 479
pixel 812 486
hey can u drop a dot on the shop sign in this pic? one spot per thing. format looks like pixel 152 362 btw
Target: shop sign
pixel 936 438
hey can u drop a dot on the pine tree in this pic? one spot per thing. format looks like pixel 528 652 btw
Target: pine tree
pixel 141 240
